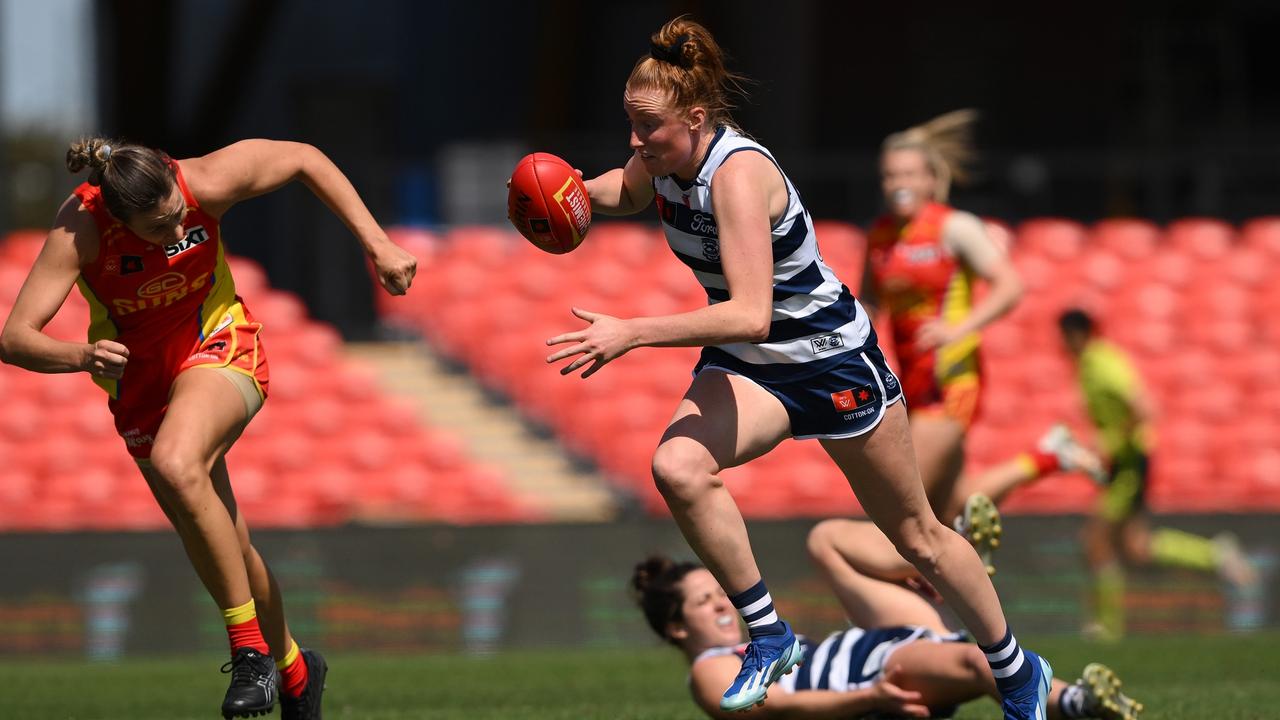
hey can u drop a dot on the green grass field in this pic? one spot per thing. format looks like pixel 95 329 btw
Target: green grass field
pixel 1177 678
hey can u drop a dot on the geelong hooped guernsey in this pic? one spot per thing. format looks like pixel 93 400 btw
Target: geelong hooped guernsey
pixel 844 660
pixel 816 320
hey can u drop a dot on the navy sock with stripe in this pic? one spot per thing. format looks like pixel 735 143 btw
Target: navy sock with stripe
pixel 1008 664
pixel 756 607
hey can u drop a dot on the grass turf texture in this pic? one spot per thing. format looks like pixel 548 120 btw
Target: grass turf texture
pixel 1177 678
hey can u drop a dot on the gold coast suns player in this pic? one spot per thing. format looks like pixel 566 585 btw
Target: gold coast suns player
pixel 180 357
pixel 787 352
pixel 923 260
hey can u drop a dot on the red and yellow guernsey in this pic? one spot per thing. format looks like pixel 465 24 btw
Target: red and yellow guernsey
pixel 174 307
pixel 144 295
pixel 918 279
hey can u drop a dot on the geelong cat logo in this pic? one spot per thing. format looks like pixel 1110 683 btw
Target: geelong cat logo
pixel 711 249
pixel 823 343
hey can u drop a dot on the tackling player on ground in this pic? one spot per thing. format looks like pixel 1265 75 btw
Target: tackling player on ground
pixel 896 659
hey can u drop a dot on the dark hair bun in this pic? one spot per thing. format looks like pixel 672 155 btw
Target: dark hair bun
pixel 649 571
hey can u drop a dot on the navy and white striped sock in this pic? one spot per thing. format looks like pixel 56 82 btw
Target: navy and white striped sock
pixel 756 607
pixel 1008 664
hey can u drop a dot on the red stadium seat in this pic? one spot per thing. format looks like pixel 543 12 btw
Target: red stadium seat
pixel 250 277
pixel 1256 371
pixel 608 278
pixel 1228 336
pixel 487 247
pixel 20 483
pixel 1054 238
pixel 539 282
pixel 1154 337
pixel 21 247
pixel 843 247
pixel 1203 238
pixel 1262 234
pixel 1148 302
pixel 1039 275
pixel 24 420
pixel 1248 267
pixel 1104 270
pixel 280 311
pixel 632 244
pixel 11 279
pixel 1126 237
pixel 421 243
pixel 313 344
pixel 1160 295
pixel 1171 268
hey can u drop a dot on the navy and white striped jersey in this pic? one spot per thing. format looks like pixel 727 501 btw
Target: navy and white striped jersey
pixel 816 320
pixel 847 659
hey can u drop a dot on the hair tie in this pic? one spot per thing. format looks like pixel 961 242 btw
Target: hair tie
pixel 669 53
pixel 105 150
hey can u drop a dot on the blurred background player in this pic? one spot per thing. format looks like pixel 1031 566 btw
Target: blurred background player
pixel 787 352
pixel 1118 532
pixel 180 357
pixel 897 659
pixel 923 260
pixel 977 515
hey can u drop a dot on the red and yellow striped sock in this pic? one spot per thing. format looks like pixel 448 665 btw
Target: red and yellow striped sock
pixel 293 672
pixel 1037 463
pixel 243 630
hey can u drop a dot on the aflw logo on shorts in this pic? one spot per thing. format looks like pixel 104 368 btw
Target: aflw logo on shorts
pixel 853 398
pixel 195 236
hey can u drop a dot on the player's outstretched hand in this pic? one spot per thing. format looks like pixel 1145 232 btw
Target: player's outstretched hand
pixel 891 699
pixel 394 266
pixel 935 334
pixel 105 359
pixel 605 338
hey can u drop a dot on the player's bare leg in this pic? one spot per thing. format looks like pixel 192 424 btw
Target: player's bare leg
pixel 202 421
pixel 880 466
pixel 723 421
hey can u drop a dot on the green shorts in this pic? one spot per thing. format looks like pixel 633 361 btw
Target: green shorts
pixel 1125 494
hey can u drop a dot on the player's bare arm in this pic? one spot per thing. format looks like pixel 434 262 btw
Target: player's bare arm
pixel 966 237
pixel 251 168
pixel 72 242
pixel 622 191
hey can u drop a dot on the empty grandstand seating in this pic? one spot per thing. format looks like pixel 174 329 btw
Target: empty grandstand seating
pixel 1194 302
pixel 328 447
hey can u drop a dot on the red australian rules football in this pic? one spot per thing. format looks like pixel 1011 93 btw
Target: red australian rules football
pixel 548 203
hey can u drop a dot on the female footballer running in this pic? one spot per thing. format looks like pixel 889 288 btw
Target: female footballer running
pixel 181 359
